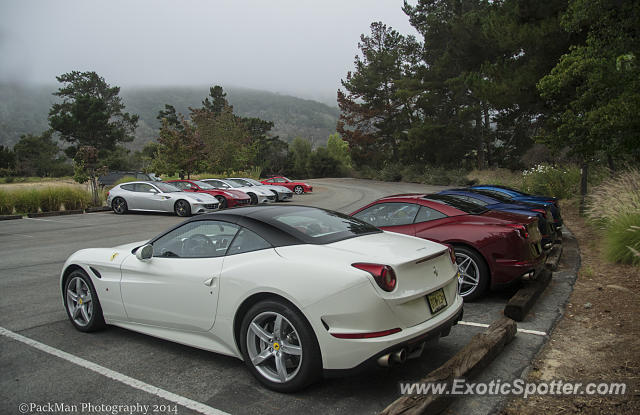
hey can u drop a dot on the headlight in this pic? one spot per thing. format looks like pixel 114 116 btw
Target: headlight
pixel 228 194
pixel 199 200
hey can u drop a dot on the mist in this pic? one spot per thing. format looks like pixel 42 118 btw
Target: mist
pixel 295 47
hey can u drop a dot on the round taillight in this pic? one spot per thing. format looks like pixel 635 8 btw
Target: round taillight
pixel 384 275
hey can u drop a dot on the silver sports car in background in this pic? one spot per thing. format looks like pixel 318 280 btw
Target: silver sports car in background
pixel 281 192
pixel 258 196
pixel 159 197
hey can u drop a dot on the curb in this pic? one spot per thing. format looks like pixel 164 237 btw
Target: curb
pixel 54 213
pixel 523 300
pixel 477 354
pixel 97 209
pixel 10 217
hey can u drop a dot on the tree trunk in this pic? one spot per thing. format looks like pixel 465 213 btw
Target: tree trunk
pixel 612 167
pixel 485 133
pixel 94 190
pixel 583 185
pixel 479 141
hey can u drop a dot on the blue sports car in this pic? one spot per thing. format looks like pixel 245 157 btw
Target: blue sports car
pixel 545 221
pixel 508 195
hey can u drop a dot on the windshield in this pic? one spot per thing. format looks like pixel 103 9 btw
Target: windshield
pixel 319 226
pixel 166 187
pixel 463 205
pixel 240 182
pixel 203 185
pixel 253 182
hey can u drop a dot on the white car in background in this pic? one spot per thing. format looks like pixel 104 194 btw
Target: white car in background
pixel 291 290
pixel 159 197
pixel 281 192
pixel 257 195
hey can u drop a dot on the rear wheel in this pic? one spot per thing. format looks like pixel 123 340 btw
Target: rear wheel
pixel 474 277
pixel 223 202
pixel 182 208
pixel 119 206
pixel 279 346
pixel 254 198
pixel 81 302
pixel 298 190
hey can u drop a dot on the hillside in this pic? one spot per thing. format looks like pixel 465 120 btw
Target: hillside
pixel 24 109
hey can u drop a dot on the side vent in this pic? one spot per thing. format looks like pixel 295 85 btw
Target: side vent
pixel 95 271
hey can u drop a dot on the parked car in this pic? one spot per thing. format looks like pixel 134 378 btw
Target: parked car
pixel 226 198
pixel 509 195
pixel 492 248
pixel 258 196
pixel 158 197
pixel 297 187
pixel 545 218
pixel 282 193
pixel 275 287
pixel 112 177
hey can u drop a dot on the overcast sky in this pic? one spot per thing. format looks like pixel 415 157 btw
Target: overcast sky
pixel 299 47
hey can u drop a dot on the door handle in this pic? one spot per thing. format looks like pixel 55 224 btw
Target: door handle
pixel 209 282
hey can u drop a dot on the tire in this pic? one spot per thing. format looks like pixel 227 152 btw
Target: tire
pixel 474 274
pixel 276 195
pixel 254 198
pixel 81 302
pixel 182 208
pixel 298 190
pixel 223 202
pixel 291 360
pixel 119 206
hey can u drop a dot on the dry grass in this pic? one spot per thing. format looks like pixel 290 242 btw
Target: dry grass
pixel 502 177
pixel 615 197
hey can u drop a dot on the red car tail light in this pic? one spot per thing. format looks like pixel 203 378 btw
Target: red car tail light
pixel 522 230
pixel 452 254
pixel 383 274
pixel 542 211
pixel 366 335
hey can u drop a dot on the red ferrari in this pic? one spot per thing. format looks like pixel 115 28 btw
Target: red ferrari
pixel 297 187
pixel 226 197
pixel 492 248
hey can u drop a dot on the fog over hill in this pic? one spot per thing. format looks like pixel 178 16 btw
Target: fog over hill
pixel 24 110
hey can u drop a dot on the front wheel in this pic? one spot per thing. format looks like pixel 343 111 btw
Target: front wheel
pixel 276 195
pixel 81 302
pixel 254 198
pixel 279 347
pixel 182 208
pixel 222 202
pixel 298 190
pixel 474 276
pixel 119 206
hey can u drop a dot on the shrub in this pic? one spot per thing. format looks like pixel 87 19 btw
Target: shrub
pixel 547 180
pixel 6 203
pixel 75 198
pixel 622 239
pixel 615 197
pixel 27 200
pixel 50 199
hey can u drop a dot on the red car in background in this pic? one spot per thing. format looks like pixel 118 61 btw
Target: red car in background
pixel 492 248
pixel 297 187
pixel 226 197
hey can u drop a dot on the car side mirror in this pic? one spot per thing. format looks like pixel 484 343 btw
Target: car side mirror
pixel 145 252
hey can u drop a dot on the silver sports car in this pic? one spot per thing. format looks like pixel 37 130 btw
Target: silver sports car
pixel 281 192
pixel 159 197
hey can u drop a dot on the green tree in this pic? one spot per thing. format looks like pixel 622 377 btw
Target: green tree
pixel 7 160
pixel 38 155
pixel 594 90
pixel 299 155
pixel 375 113
pixel 179 150
pixel 339 150
pixel 322 164
pixel 218 101
pixel 169 113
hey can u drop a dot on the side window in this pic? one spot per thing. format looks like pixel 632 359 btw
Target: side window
pixel 389 214
pixel 129 187
pixel 247 241
pixel 179 185
pixel 279 181
pixel 145 188
pixel 426 214
pixel 476 201
pixel 199 239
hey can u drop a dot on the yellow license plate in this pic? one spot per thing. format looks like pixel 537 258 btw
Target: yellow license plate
pixel 437 301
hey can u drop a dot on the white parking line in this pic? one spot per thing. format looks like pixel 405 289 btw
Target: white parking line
pixel 525 331
pixel 129 381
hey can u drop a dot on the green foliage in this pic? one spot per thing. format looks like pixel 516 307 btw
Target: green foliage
pixel 562 182
pixel 39 156
pixel 125 179
pixel 339 150
pixel 622 239
pixel 179 150
pixel 322 164
pixel 6 202
pixel 413 173
pixel 45 199
pixel 7 159
pixel 615 197
pixel 26 200
pixel 299 157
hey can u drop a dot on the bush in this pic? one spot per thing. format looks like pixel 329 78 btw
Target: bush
pixel 547 180
pixel 6 203
pixel 622 239
pixel 50 199
pixel 615 197
pixel 74 198
pixel 27 201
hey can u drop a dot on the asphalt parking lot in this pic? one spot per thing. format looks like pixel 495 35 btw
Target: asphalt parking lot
pixel 32 252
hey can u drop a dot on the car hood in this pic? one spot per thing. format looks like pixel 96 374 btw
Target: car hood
pixel 254 189
pixel 129 247
pixel 277 188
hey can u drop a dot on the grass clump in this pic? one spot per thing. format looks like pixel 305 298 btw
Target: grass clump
pixel 6 202
pixel 26 200
pixel 622 239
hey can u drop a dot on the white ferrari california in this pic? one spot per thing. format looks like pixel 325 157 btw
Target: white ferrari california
pixel 295 292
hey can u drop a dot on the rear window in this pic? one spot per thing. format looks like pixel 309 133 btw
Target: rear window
pixel 463 205
pixel 499 196
pixel 318 226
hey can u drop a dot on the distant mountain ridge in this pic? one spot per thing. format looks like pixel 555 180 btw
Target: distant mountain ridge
pixel 24 110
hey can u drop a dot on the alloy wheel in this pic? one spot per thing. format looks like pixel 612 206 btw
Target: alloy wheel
pixel 79 301
pixel 469 277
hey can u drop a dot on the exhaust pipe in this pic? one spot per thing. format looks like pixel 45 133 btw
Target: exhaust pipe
pixel 385 360
pixel 399 356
